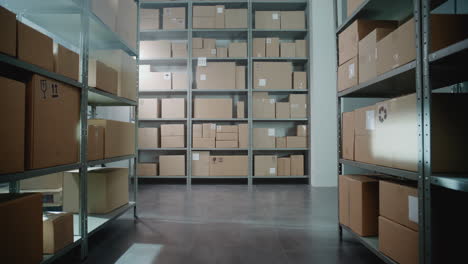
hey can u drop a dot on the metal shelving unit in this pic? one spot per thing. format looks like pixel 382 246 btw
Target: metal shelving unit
pixel 427 73
pixel 247 35
pixel 72 24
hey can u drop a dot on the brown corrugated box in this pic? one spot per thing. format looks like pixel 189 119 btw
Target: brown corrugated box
pixel 149 19
pixel 148 108
pixel 265 165
pixel 368 53
pixel 399 203
pixel 148 137
pixel 147 169
pixel 243 135
pixel 284 167
pixel 301 130
pixel 197 43
pixel 227 144
pixel 102 76
pixel 263 105
pixel 353 5
pixel 107 190
pixel 197 131
pixel 34 47
pixel 272 47
pixel 300 80
pixel 24 226
pixel 172 130
pixel 204 142
pixel 347 136
pixel 12 138
pixel 209 43
pixel 364 127
pixel 348 40
pixel 173 108
pixel 301 48
pixel 288 50
pixel 229 166
pixel 205 52
pixel 217 75
pixel 204 11
pixel 204 22
pixel 174 18
pixel 237 49
pixel 179 81
pixel 172 165
pixel 49 181
pixel 57 231
pixel 240 77
pixel 51 123
pixel 222 52
pixel 293 20
pixel 348 74
pixel 201 163
pixel 264 137
pixel 127 77
pixel 282 110
pixel 272 75
pixel 281 142
pixel 213 108
pixel 267 19
pixel 240 109
pixel 398 242
pixel 227 136
pixel 297 165
pixel 66 62
pixel 155 49
pixel 153 81
pixel 359 206
pixel 235 18
pixel 296 142
pixel 227 129
pixel 119 137
pixel 298 104
pixel 259 47
pixel 220 18
pixel 179 50
pixel 8 28
pixel 172 141
pixel 209 130
pixel 95 143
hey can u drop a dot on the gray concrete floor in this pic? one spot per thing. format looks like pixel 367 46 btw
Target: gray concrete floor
pixel 223 224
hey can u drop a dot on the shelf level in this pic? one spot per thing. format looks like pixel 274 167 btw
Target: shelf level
pixel 36 173
pixel 295 60
pixel 448 65
pixel 401 174
pixel 163 34
pixel 456 183
pixel 280 119
pixel 280 33
pixel 162 177
pixel 280 177
pixel 109 160
pixel 165 62
pixel 162 149
pixel 100 98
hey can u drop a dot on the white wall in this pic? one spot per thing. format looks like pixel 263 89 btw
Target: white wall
pixel 323 95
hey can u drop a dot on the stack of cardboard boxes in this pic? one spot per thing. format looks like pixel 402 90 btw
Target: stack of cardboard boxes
pixel 206 47
pixel 205 165
pixel 157 81
pixel 220 136
pixel 206 17
pixel 280 20
pixel 162 49
pixel 272 48
pixel 173 136
pixel 278 76
pixel 110 139
pixel 221 76
pixel 279 166
pixel 265 107
pixel 154 108
pixel 266 138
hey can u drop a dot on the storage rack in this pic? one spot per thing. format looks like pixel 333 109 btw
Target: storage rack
pixel 246 34
pixel 83 32
pixel 422 76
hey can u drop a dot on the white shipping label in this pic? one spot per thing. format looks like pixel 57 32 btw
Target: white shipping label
pixel 262 82
pixel 220 10
pixel 413 208
pixel 268 40
pixel 213 51
pixel 272 171
pixel 351 71
pixel 202 61
pixel 271 132
pixel 202 77
pixel 275 16
pixel 196 156
pixel 167 76
pixel 370 120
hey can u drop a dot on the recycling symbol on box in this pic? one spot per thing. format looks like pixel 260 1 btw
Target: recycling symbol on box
pixel 382 114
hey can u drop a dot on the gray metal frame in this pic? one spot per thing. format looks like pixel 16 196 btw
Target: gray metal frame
pixel 191 93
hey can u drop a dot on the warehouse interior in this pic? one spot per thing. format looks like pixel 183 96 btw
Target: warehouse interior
pixel 233 131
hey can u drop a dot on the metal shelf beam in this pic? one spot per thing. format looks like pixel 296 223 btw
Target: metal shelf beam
pixel 399 174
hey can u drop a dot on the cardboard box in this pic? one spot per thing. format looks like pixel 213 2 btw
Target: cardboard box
pixel 359 204
pixel 107 190
pixel 155 49
pixel 352 6
pixel 204 22
pixel 95 144
pixel 213 108
pixel 203 142
pixel 398 242
pixel 301 131
pixel 283 110
pixel 60 110
pixel 126 22
pixel 240 109
pixel 172 165
pixel 22 228
pixel 296 142
pixel 102 77
pixel 243 135
pixel 301 48
pixel 174 18
pixel 300 80
pixel 227 129
pixel 34 47
pixel 209 130
pixel 66 62
pixel 347 136
pixel 173 141
pixel 240 77
pixel 154 81
pixel 197 131
pixel 281 142
pixel 267 19
pixel 263 105
pixel 238 50
pixel 204 11
pixel 440 36
pixel 202 53
pixel 197 43
pixel 348 40
pixel 8 28
pixel 293 20
pixel 179 81
pixel 265 165
pixel 57 229
pixel 227 136
pixel 106 10
pixel 148 108
pixel 217 75
pixel 172 130
pixel 220 19
pixel 227 144
pixel 348 74
pixel 49 181
pixel 368 53
pixel 235 18
pixel 288 50
pixel 273 75
pixel 222 52
pixel 272 47
pixel 298 105
pixel 297 165
pixel 201 163
pixel 127 87
pixel 12 138
pixel 264 137
pixel 209 43
pixel 147 169
pixel 179 50
pixel 149 19
pixel 259 47
pixel 399 203
pixel 284 167
pixel 364 127
pixel 119 137
pixel 173 108
pixel 148 137
pixel 229 166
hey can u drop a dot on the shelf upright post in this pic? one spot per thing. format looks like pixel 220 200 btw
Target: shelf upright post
pixel 250 92
pixel 308 70
pixel 135 115
pixel 189 92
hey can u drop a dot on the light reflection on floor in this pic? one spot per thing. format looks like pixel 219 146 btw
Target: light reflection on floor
pixel 141 254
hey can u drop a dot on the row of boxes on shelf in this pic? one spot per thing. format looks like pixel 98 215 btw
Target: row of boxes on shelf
pixel 272 47
pixel 386 133
pixel 267 138
pixel 162 49
pixel 385 209
pixel 220 136
pixel 172 136
pixel 208 47
pixel 109 139
pixel 154 81
pixel 279 166
pixel 369 48
pixel 207 17
pixel 266 107
pixel 280 20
